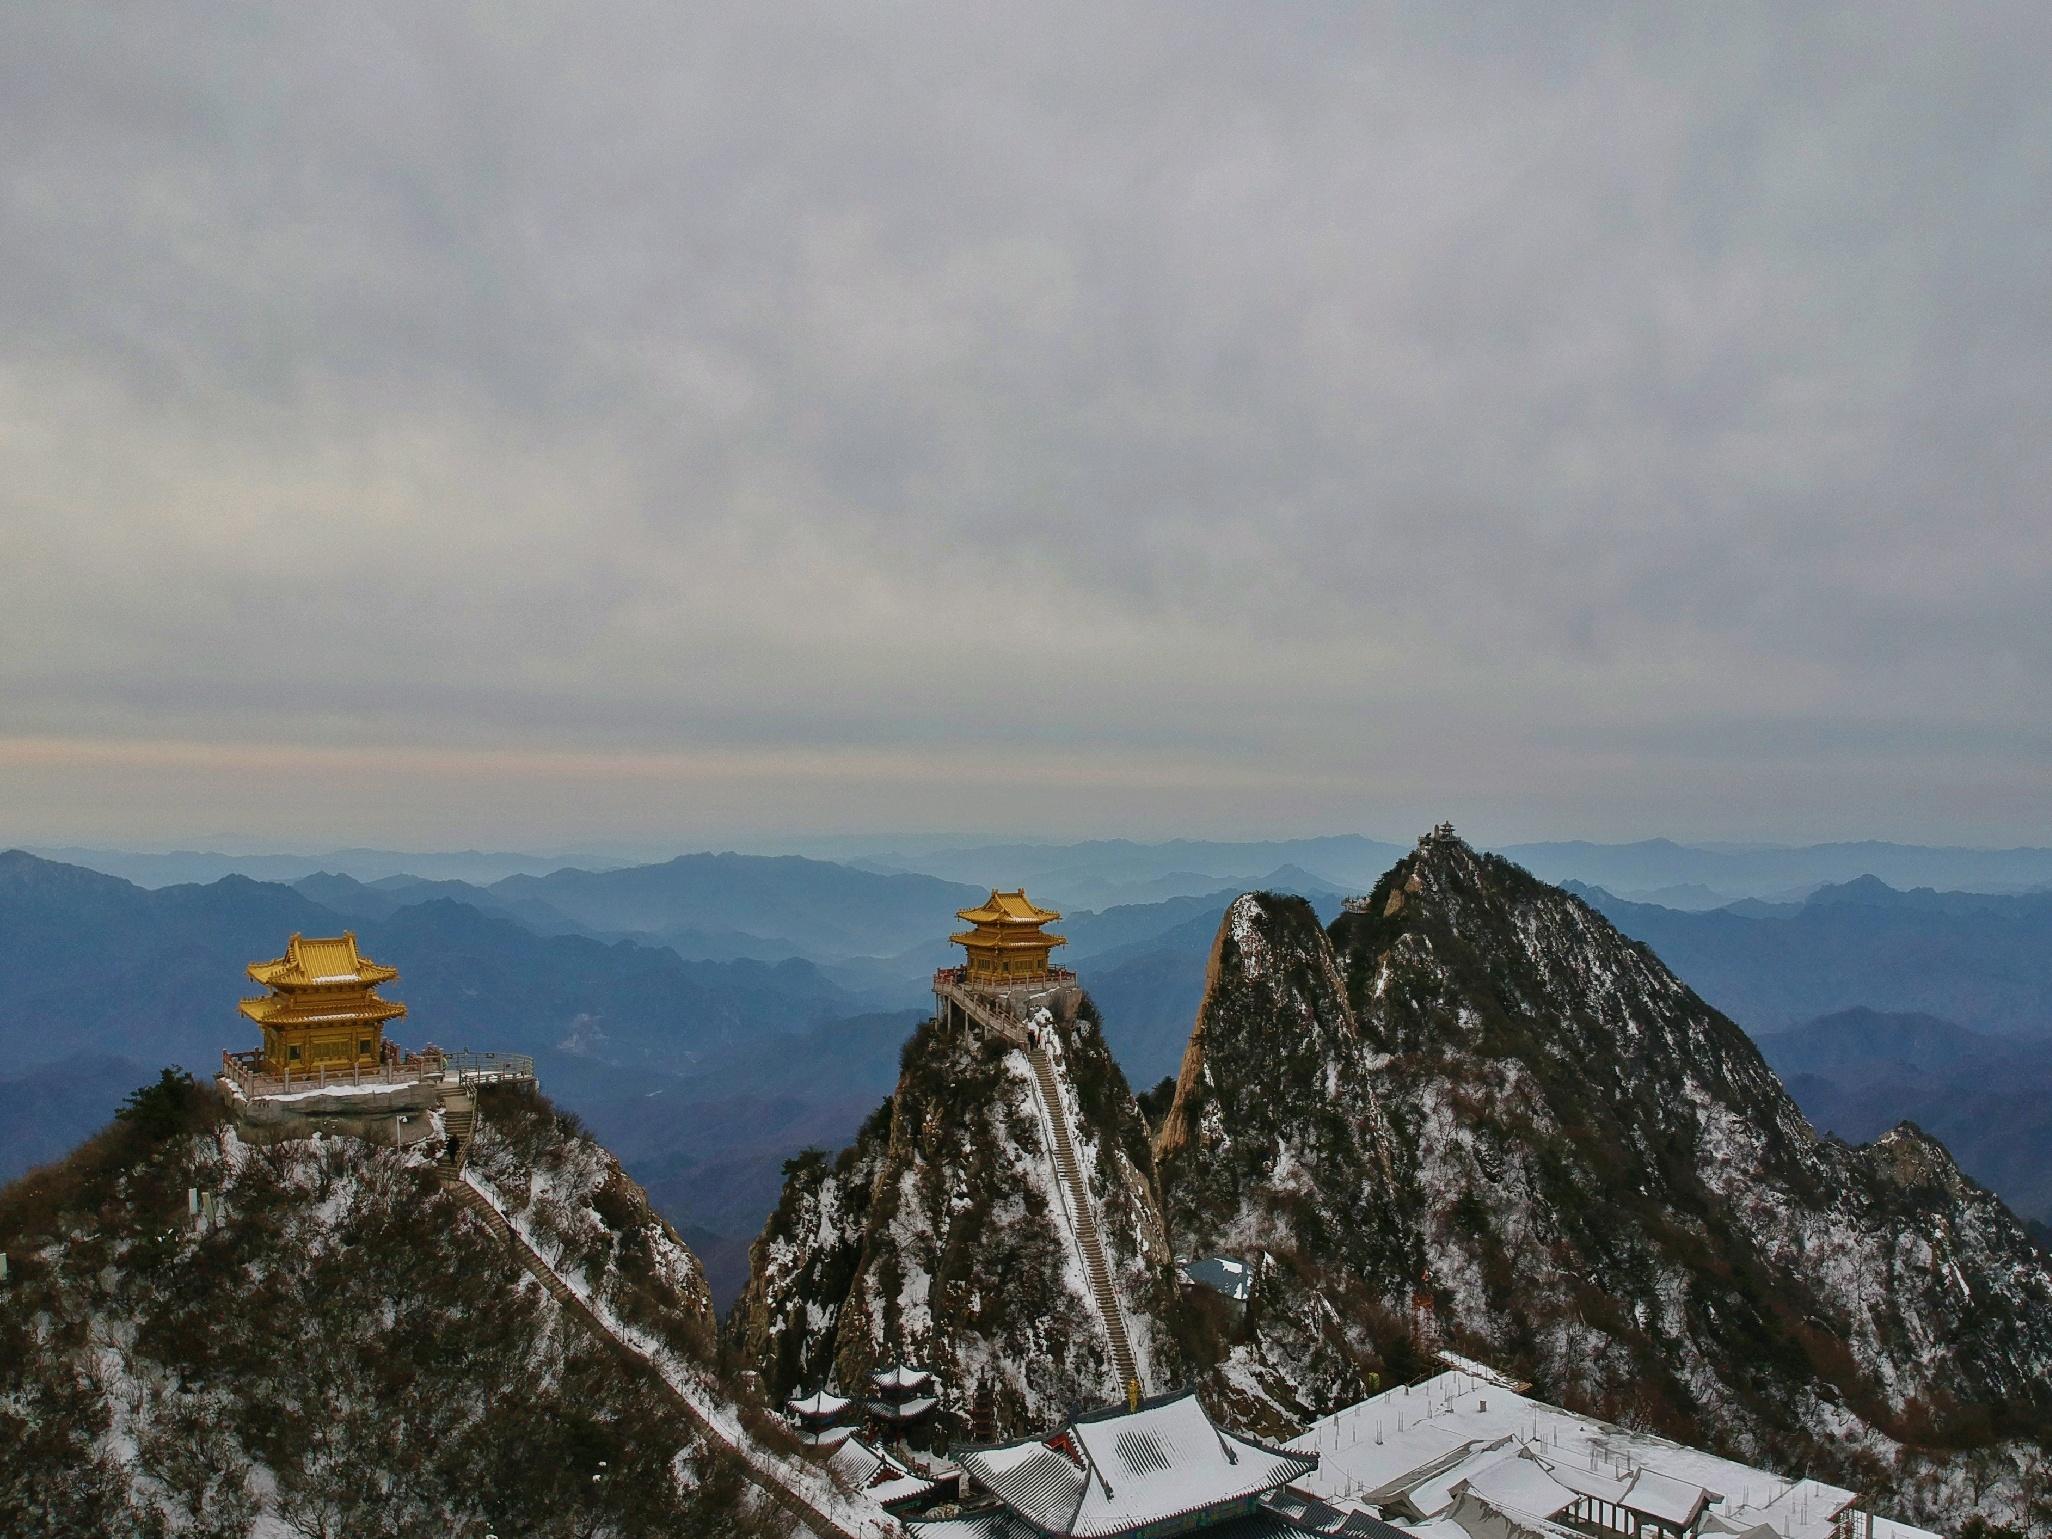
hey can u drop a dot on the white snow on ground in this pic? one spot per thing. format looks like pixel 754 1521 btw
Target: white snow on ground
pixel 915 1287
pixel 1244 921
pixel 338 1088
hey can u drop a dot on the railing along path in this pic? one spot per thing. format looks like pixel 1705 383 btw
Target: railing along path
pixel 462 1068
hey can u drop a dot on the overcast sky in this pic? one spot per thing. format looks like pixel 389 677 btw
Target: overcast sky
pixel 525 425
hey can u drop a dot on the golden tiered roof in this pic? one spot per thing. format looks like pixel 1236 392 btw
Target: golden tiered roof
pixel 1007 908
pixel 331 962
pixel 321 981
pixel 1008 945
pixel 284 1010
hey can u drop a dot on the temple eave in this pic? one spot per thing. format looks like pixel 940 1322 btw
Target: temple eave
pixel 272 1010
pixel 1008 908
pixel 285 977
pixel 984 941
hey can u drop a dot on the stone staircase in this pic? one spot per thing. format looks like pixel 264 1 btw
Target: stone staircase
pixel 810 1518
pixel 459 1126
pixel 1088 1241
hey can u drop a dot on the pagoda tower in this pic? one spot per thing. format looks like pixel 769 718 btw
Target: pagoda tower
pixel 904 1395
pixel 322 1011
pixel 818 1419
pixel 1007 945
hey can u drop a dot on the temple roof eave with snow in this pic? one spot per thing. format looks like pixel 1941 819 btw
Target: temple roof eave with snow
pixel 1119 1472
pixel 901 1376
pixel 818 1406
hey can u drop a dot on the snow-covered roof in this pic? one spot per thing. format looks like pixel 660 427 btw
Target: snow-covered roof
pixel 1221 1274
pixel 1003 1523
pixel 855 1463
pixel 1475 1514
pixel 1664 1497
pixel 1436 1528
pixel 1345 1520
pixel 825 1437
pixel 1415 1446
pixel 1043 1483
pixel 884 1478
pixel 1605 1488
pixel 901 1376
pixel 1442 1482
pixel 903 1410
pixel 1522 1484
pixel 818 1405
pixel 891 1486
pixel 998 1523
pixel 1116 1471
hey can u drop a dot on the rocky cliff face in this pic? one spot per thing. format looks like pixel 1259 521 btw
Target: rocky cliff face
pixel 940 1237
pixel 1272 1100
pixel 346 1348
pixel 1476 1115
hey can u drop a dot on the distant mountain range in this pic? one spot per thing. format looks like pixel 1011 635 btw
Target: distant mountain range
pixel 1859 1072
pixel 1103 873
pixel 1107 873
pixel 705 1074
pixel 173 867
pixel 814 907
pixel 93 963
pixel 99 976
pixel 1730 871
pixel 1982 960
pixel 652 994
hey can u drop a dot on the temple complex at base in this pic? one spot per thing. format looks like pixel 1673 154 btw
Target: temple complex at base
pixel 323 1011
pixel 1007 946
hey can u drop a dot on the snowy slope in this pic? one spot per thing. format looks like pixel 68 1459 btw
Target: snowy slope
pixel 346 1349
pixel 1515 1130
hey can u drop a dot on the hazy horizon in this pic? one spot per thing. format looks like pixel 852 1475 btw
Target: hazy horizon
pixel 846 847
pixel 445 429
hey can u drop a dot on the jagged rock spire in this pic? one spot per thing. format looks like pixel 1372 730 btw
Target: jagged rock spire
pixel 941 1237
pixel 1275 1038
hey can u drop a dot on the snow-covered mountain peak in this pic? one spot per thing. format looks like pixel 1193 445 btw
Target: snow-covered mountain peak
pixel 1511 1130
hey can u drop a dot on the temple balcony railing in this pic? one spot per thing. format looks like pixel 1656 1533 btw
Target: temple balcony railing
pixel 247 1072
pixel 958 977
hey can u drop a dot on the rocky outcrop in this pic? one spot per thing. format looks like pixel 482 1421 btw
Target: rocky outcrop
pixel 941 1238
pixel 804 1264
pixel 1270 1091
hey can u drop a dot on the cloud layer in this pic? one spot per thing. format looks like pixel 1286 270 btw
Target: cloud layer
pixel 525 422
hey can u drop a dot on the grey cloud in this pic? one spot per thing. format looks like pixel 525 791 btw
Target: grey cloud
pixel 1402 398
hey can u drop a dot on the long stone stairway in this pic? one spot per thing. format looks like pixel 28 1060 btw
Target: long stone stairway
pixel 459 1126
pixel 1088 1240
pixel 811 1518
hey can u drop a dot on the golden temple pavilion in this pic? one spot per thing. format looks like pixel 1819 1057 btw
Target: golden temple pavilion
pixel 1007 945
pixel 322 1011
